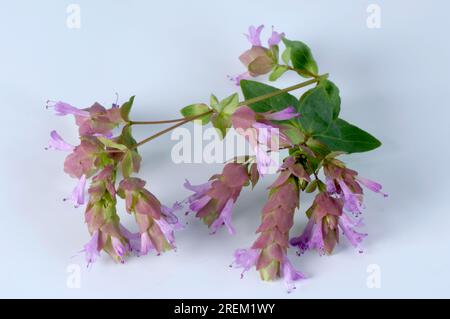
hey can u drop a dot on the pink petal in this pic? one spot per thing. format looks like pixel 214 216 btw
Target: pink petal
pixel 57 143
pixel 254 34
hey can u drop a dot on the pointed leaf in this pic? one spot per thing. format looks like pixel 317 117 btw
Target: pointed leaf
pixel 252 89
pixel 301 57
pixel 316 111
pixel 109 143
pixel 229 104
pixel 277 71
pixel 127 164
pixel 126 108
pixel 345 137
pixel 286 55
pixel 196 109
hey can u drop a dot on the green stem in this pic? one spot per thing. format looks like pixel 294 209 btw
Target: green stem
pixel 303 72
pixel 156 122
pixel 180 123
pixel 245 102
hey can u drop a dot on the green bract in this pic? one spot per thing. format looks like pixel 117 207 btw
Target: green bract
pixel 221 118
pixel 126 108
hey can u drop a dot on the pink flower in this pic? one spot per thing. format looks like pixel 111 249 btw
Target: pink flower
pixel 92 249
pixel 373 186
pixel 258 59
pixel 348 226
pixel 119 247
pixel 93 121
pixel 311 238
pixel 287 113
pixel 100 121
pixel 290 275
pixel 321 232
pixel 146 244
pixel 62 109
pixel 254 34
pixel 225 218
pixel 261 133
pixel 275 38
pixel 345 183
pixel 134 241
pixel 352 201
pixel 77 195
pixel 156 222
pixel 245 258
pixel 214 200
pixel 238 78
pixel 57 143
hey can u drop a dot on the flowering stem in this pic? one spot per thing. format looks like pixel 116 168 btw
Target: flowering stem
pixel 180 123
pixel 245 102
pixel 155 122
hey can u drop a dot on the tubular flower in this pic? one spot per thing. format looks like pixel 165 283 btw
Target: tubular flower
pixel 213 201
pixel 84 161
pixel 258 59
pixel 346 184
pixel 95 120
pixel 62 109
pixel 156 224
pixel 100 121
pixel 326 217
pixel 262 134
pixel 103 222
pixel 58 144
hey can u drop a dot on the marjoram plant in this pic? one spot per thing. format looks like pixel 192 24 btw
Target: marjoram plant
pixel 309 128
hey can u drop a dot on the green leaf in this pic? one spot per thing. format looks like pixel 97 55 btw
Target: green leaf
pixel 109 143
pixel 294 134
pixel 197 109
pixel 333 95
pixel 229 104
pixel 274 53
pixel 286 55
pixel 311 186
pixel 221 122
pixel 130 163
pixel 214 102
pixel 126 138
pixel 126 108
pixel 127 164
pixel 301 57
pixel 345 137
pixel 316 111
pixel 221 119
pixel 277 71
pixel 252 89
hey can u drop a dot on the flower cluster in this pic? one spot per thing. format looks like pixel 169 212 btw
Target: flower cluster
pixel 98 158
pixel 306 130
pixel 259 60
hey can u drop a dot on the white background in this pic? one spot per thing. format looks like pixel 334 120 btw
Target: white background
pixel 394 83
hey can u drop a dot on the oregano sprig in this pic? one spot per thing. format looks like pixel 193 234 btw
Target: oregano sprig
pixel 307 127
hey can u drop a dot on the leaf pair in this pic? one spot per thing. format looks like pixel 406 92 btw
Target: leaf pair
pixel 221 115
